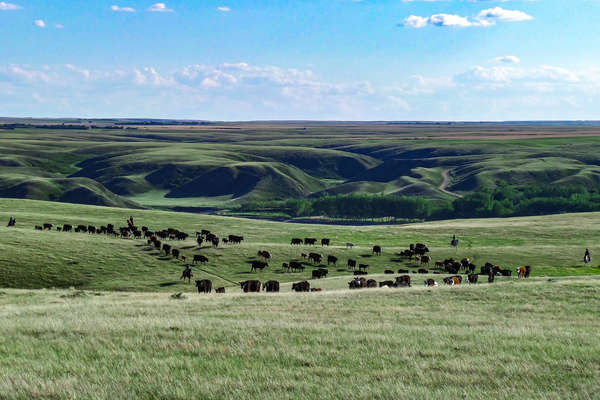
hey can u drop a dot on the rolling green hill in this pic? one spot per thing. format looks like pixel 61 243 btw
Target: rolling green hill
pixel 230 164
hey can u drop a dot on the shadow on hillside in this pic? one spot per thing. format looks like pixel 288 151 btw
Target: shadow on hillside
pixel 166 284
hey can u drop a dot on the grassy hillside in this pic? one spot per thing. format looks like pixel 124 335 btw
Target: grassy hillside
pixel 552 245
pixel 528 340
pixel 154 165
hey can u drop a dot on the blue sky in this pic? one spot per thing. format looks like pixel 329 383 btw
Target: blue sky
pixel 314 59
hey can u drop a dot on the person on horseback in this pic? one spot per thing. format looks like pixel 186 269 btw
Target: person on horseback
pixel 454 241
pixel 587 258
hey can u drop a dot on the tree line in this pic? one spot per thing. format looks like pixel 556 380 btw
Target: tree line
pixel 503 200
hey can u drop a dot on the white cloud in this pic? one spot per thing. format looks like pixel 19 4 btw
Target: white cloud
pixel 116 8
pixel 508 59
pixel 159 7
pixel 492 15
pixel 484 18
pixel 224 9
pixel 40 23
pixel 8 6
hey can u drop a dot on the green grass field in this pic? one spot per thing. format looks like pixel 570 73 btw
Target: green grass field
pixel 535 339
pixel 552 245
pixel 103 323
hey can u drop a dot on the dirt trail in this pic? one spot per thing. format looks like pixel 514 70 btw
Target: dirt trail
pixel 446 182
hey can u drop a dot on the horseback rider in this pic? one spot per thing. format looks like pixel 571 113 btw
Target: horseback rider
pixel 587 258
pixel 454 242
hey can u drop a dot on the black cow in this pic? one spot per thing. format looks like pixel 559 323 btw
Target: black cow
pixel 332 259
pixel 250 286
pixel 402 281
pixel 296 266
pixel 204 286
pixel 256 265
pixel 388 271
pixel 175 253
pixel 271 286
pixel 351 263
pixel 319 273
pixel 325 242
pixel 310 241
pixel 363 267
pixel 200 258
pixel 48 226
pixel 67 228
pixel 377 250
pixel 303 286
pixel 403 271
pixel 422 271
pixel 167 249
pixel 473 278
pixel 296 241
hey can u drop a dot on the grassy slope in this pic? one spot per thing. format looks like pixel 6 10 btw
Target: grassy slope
pixel 147 164
pixel 553 245
pixel 526 340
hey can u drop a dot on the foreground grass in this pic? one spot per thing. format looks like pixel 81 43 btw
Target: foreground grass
pixel 526 340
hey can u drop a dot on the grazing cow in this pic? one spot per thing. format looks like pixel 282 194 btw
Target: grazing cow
pixel 296 242
pixel 377 250
pixel 357 283
pixel 325 242
pixel 315 258
pixel 349 245
pixel 48 226
pixel 205 286
pixel 67 228
pixel 205 232
pixel 472 278
pixel 215 241
pixel 285 267
pixel 363 267
pixel 167 249
pixel 361 273
pixel 250 286
pixel 157 244
pixel 303 286
pixel 430 282
pixel 235 239
pixel 264 254
pixel 256 265
pixel 137 234
pixel 386 283
pixel 58 228
pixel 199 258
pixel 453 280
pixel 422 271
pixel 82 228
pixel 421 249
pixel 403 271
pixel 425 260
pixel 220 290
pixel 271 286
pixel 319 273
pixel 310 241
pixel 351 263
pixel 388 271
pixel 371 283
pixel 187 273
pixel 199 240
pixel 296 266
pixel 332 259
pixel 39 228
pixel 175 253
pixel 403 281
pixel 91 229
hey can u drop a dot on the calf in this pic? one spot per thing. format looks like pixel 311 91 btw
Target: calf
pixel 220 290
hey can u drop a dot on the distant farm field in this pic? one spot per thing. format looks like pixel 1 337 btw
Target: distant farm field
pixel 29 258
pixel 535 339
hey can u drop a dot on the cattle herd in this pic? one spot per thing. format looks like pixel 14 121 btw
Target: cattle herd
pixel 418 253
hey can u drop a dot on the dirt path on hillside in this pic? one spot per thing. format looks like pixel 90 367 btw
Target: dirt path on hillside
pixel 446 182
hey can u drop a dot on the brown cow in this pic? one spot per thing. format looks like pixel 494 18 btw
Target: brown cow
pixel 425 260
pixel 220 290
pixel 430 282
pixel 524 272
pixel 371 283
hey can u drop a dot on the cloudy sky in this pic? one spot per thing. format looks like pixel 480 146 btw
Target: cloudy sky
pixel 309 59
